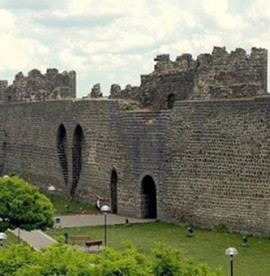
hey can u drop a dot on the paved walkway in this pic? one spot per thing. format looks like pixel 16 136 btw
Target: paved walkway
pixel 38 239
pixel 92 220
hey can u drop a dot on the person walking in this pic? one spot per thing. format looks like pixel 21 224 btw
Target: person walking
pixel 98 205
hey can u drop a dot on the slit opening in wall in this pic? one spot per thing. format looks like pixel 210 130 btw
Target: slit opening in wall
pixel 62 151
pixel 76 158
pixel 114 191
pixel 170 101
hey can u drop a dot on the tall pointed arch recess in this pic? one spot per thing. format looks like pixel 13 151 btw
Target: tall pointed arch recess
pixel 148 195
pixel 62 151
pixel 76 158
pixel 114 179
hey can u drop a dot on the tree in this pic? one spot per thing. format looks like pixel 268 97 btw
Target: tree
pixel 65 259
pixel 23 206
pixel 172 261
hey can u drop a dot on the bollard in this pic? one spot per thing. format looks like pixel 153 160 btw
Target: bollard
pixel 66 237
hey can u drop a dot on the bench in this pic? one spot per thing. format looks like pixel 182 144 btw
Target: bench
pixel 80 238
pixel 90 245
pixel 93 245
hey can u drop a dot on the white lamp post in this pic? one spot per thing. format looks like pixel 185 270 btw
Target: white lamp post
pixel 231 251
pixel 3 236
pixel 51 189
pixel 105 209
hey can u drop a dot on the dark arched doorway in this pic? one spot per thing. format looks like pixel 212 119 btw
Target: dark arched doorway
pixel 61 151
pixel 170 101
pixel 114 191
pixel 76 158
pixel 149 198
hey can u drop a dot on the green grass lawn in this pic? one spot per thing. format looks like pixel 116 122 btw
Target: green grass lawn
pixel 64 207
pixel 11 238
pixel 205 246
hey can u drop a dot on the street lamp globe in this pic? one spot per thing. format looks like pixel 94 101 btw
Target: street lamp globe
pixel 51 188
pixel 231 251
pixel 105 209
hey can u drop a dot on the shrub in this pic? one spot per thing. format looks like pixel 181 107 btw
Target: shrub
pixel 170 262
pixel 221 226
pixel 63 259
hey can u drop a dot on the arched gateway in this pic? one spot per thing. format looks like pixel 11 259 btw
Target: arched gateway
pixel 148 195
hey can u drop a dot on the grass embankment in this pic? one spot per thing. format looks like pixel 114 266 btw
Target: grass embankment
pixel 205 246
pixel 65 207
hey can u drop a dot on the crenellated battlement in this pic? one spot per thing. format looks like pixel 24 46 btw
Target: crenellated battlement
pixel 219 57
pixel 216 75
pixel 219 75
pixel 39 87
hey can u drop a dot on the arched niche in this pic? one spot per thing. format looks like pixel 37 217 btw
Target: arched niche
pixel 114 179
pixel 149 197
pixel 170 101
pixel 76 158
pixel 62 151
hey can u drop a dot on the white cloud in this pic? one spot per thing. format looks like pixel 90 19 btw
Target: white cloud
pixel 18 52
pixel 115 41
pixel 31 4
pixel 219 13
pixel 7 21
pixel 259 10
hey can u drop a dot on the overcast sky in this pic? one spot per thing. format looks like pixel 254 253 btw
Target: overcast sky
pixel 115 41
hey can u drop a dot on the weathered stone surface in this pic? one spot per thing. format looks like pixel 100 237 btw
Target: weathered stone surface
pixel 211 76
pixel 40 87
pixel 96 91
pixel 3 89
pixel 209 160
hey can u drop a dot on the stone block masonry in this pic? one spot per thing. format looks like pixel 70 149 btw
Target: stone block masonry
pixel 203 161
pixel 209 160
pixel 218 75
pixel 219 164
pixel 39 87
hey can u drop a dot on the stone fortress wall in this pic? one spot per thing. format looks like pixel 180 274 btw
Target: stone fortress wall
pixel 204 161
pixel 39 87
pixel 220 75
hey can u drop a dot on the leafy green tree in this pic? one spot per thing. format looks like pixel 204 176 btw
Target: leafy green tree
pixel 68 260
pixel 23 206
pixel 171 262
pixel 15 257
pixel 127 262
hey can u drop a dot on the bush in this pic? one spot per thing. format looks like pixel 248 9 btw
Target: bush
pixel 221 226
pixel 63 259
pixel 170 262
pixel 23 206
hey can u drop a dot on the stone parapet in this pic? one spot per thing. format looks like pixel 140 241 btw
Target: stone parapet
pixel 219 75
pixel 40 87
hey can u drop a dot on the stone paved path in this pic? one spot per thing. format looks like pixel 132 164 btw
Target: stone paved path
pixel 36 238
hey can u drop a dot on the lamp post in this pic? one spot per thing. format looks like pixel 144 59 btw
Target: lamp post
pixel 105 209
pixel 3 227
pixel 3 236
pixel 231 251
pixel 19 235
pixel 51 189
